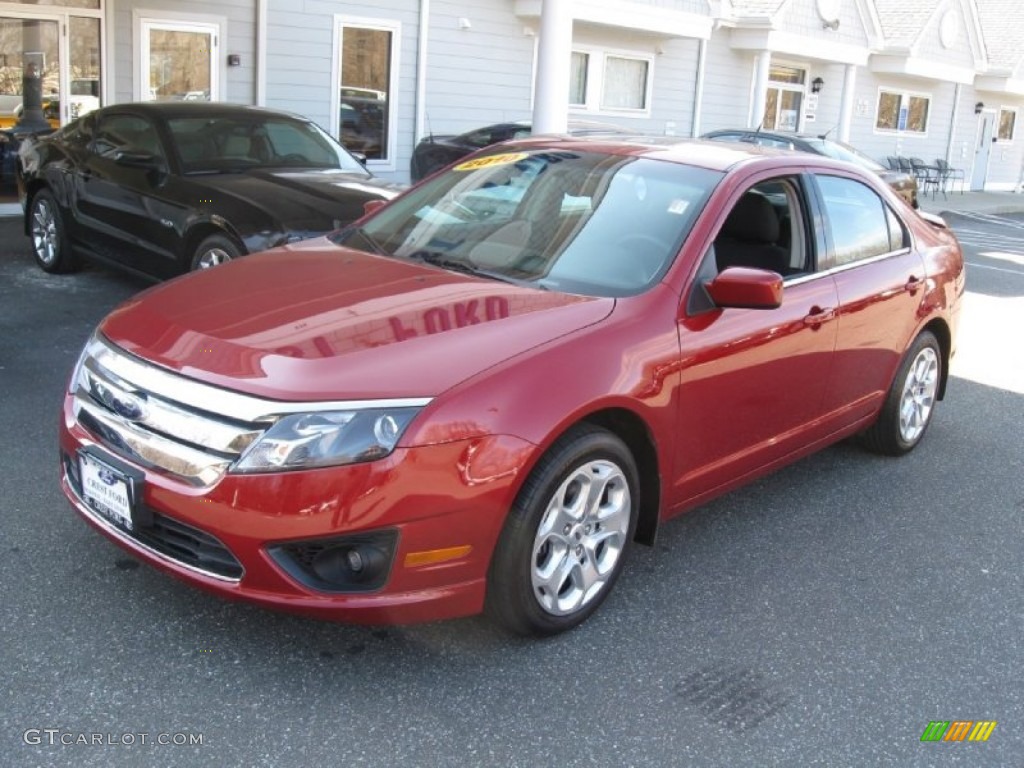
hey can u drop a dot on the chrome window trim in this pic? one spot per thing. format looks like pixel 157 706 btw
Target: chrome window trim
pixel 175 387
pixel 844 267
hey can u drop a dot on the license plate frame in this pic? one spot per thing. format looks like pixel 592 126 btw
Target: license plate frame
pixel 110 488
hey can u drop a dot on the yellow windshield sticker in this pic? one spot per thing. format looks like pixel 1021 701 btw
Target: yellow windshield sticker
pixel 491 160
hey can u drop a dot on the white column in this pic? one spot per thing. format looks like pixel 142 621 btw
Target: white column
pixel 421 71
pixel 762 69
pixel 261 53
pixel 698 90
pixel 554 57
pixel 846 102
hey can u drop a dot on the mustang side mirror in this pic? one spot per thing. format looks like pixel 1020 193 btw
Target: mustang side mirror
pixel 746 288
pixel 137 159
pixel 372 205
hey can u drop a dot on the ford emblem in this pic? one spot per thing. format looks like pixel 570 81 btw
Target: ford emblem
pixel 128 406
pixel 124 404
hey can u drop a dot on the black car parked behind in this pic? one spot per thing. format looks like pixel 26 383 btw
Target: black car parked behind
pixel 903 184
pixel 161 188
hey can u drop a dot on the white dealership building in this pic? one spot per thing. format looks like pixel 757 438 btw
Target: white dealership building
pixel 934 79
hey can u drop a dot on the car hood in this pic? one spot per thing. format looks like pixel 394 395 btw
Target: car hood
pixel 317 200
pixel 316 321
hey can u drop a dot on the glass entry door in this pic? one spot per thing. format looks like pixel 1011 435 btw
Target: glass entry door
pixel 29 73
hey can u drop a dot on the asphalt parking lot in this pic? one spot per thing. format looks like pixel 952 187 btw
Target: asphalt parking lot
pixel 822 616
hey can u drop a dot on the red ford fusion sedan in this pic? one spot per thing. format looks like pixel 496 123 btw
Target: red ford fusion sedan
pixel 479 396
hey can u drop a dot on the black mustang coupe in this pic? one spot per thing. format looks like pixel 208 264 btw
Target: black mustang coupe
pixel 162 188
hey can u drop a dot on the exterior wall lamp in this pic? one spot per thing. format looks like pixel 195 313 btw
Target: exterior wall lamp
pixel 978 107
pixel 816 84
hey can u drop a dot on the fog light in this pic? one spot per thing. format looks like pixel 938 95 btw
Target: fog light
pixel 356 563
pixel 355 560
pixel 344 565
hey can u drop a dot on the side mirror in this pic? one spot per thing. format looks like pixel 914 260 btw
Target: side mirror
pixel 137 159
pixel 746 288
pixel 372 205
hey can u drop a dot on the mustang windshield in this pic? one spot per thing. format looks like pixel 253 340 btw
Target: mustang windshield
pixel 226 143
pixel 579 222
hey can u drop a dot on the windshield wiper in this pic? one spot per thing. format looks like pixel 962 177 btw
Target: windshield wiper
pixel 369 239
pixel 438 259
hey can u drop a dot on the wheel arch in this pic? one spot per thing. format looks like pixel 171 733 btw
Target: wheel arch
pixel 940 329
pixel 32 188
pixel 634 432
pixel 199 232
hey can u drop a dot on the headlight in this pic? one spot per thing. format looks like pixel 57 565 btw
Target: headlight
pixel 327 438
pixel 76 373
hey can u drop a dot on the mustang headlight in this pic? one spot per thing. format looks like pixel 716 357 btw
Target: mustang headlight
pixel 326 438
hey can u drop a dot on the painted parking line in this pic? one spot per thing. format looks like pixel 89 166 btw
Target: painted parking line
pixel 975 265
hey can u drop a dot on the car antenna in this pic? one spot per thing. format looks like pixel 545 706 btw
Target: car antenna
pixel 430 133
pixel 826 133
pixel 759 126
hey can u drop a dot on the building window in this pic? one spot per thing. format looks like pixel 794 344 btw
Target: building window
pixel 367 70
pixel 617 83
pixel 625 83
pixel 783 98
pixel 1007 123
pixel 180 61
pixel 904 112
pixel 578 79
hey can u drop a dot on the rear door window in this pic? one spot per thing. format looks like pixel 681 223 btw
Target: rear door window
pixel 859 221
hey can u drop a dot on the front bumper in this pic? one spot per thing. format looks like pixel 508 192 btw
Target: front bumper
pixel 451 497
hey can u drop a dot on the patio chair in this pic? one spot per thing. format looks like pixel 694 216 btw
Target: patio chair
pixel 949 174
pixel 928 176
pixel 903 164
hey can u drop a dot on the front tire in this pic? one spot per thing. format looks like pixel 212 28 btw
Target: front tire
pixel 214 251
pixel 46 228
pixel 908 407
pixel 567 535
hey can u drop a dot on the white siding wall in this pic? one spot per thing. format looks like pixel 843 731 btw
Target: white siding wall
pixel 300 62
pixel 240 39
pixel 480 75
pixel 727 82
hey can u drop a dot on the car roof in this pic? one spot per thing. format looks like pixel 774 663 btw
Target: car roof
pixel 174 109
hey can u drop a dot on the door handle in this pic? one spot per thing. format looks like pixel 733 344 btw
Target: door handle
pixel 913 285
pixel 819 315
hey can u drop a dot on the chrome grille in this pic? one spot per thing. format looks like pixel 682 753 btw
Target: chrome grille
pixel 133 409
pixel 163 420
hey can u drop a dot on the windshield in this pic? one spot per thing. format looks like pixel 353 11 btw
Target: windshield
pixel 579 222
pixel 845 152
pixel 230 143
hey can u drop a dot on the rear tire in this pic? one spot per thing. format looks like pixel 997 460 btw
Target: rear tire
pixel 567 535
pixel 46 229
pixel 909 406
